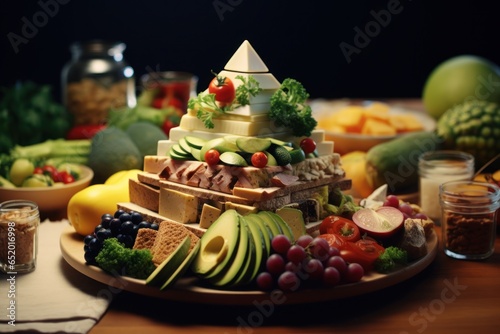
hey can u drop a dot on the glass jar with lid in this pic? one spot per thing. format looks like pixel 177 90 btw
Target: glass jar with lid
pixel 96 80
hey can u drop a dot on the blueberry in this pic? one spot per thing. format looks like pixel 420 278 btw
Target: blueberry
pixel 87 239
pixel 144 224
pixel 106 218
pixel 127 227
pixel 127 240
pixel 103 234
pixel 118 213
pixel 114 226
pixel 154 226
pixel 97 228
pixel 95 245
pixel 136 217
pixel 125 217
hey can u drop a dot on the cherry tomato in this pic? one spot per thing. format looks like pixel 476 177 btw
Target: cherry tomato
pixel 51 171
pixel 364 251
pixel 340 226
pixel 308 145
pixel 212 157
pixel 66 177
pixel 259 159
pixel 223 88
pixel 333 240
pixel 38 170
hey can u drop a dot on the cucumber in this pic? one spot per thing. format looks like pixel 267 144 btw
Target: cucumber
pixel 184 145
pixel 195 142
pixel 252 145
pixel 232 158
pixel 281 154
pixel 297 155
pixel 395 162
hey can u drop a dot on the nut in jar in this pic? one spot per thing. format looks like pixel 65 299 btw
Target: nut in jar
pixel 19 222
pixel 469 218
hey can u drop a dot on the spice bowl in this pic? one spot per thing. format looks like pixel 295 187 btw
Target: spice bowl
pixel 468 218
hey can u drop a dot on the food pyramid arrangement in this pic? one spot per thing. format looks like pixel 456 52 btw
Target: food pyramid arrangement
pixel 180 183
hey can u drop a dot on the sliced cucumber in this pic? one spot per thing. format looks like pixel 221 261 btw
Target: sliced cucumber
pixel 195 142
pixel 232 158
pixel 252 144
pixel 177 149
pixel 196 153
pixel 220 144
pixel 174 155
pixel 280 142
pixel 184 145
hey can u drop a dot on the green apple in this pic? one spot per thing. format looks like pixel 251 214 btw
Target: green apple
pixel 458 79
pixel 20 170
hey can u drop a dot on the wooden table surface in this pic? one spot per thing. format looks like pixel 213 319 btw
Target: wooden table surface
pixel 449 296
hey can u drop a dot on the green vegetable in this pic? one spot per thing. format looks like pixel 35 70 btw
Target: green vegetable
pixel 473 127
pixel 207 107
pixel 289 108
pixel 122 118
pixel 111 151
pixel 114 257
pixel 29 115
pixel 340 204
pixel 146 136
pixel 50 152
pixel 390 259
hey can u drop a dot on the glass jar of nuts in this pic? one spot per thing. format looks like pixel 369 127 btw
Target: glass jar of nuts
pixel 96 80
pixel 468 221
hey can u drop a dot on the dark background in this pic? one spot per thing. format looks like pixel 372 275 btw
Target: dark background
pixel 298 39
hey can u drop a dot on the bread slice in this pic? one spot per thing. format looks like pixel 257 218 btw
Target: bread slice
pixel 145 238
pixel 170 235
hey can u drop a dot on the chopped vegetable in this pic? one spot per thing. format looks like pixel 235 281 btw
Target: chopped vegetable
pixel 289 108
pixel 207 108
pixel 390 258
pixel 29 115
pixel 114 257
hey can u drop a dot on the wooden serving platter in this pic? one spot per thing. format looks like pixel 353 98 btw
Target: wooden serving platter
pixel 190 290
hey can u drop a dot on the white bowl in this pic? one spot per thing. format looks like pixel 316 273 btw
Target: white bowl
pixel 349 142
pixel 52 201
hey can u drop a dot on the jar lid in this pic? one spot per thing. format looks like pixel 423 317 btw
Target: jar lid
pixel 98 47
pixel 470 194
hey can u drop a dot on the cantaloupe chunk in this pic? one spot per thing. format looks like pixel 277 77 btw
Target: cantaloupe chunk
pixel 350 118
pixel 377 128
pixel 405 123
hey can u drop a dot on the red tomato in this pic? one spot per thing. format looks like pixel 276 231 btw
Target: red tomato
pixel 333 240
pixel 66 177
pixel 308 145
pixel 259 159
pixel 38 170
pixel 343 227
pixel 212 157
pixel 223 88
pixel 364 251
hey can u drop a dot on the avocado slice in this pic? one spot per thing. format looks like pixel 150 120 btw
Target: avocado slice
pixel 260 248
pixel 182 267
pixel 285 228
pixel 253 144
pixel 170 264
pixel 220 144
pixel 267 234
pixel 270 222
pixel 218 245
pixel 230 271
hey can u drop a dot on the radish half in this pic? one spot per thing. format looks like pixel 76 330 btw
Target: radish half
pixel 380 223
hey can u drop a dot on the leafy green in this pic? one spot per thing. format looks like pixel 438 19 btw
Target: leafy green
pixel 29 115
pixel 123 117
pixel 114 257
pixel 289 108
pixel 207 107
pixel 390 259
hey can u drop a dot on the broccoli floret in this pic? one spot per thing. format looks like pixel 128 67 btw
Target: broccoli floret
pixel 289 108
pixel 115 258
pixel 140 263
pixel 390 258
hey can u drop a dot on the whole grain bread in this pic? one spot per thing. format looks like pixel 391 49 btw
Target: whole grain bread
pixel 414 240
pixel 145 238
pixel 168 238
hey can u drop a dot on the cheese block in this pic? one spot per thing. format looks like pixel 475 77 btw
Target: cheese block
pixel 246 59
pixel 209 214
pixel 180 207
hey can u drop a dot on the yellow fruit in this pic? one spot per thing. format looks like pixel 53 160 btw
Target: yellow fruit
pixel 354 165
pixel 87 206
